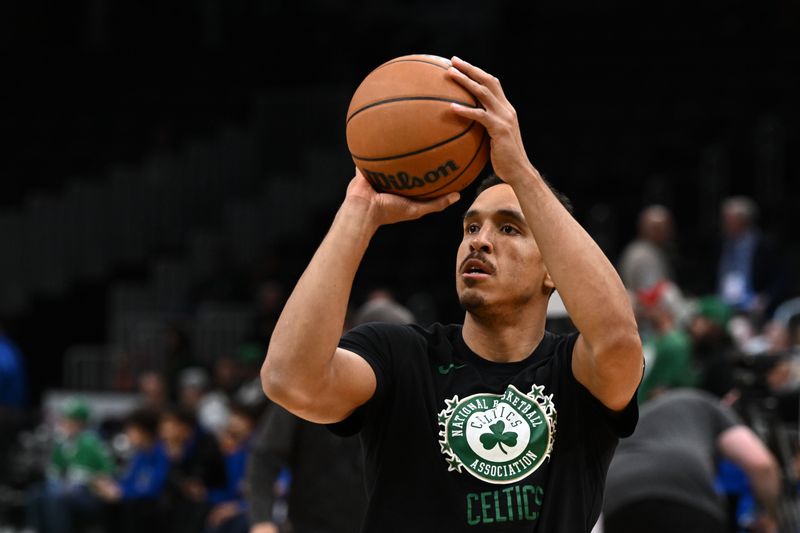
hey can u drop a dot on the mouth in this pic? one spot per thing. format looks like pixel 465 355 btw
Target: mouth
pixel 475 269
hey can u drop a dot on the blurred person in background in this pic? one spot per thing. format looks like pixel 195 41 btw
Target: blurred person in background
pixel 662 478
pixel 668 347
pixel 229 508
pixel 13 397
pixel 751 277
pixel 196 467
pixel 137 494
pixel 645 261
pixel 67 501
pixel 715 351
pixel 13 377
pixel 327 492
pixel 209 405
pixel 153 390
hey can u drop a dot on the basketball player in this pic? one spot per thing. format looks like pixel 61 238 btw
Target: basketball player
pixel 493 424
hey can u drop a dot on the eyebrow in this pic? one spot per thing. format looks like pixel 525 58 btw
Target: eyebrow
pixel 507 213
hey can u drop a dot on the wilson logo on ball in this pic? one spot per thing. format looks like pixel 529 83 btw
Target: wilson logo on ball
pixel 403 182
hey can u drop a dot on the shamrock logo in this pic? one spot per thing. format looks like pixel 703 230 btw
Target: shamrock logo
pixel 498 437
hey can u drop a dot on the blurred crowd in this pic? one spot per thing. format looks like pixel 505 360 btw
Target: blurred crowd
pixel 201 449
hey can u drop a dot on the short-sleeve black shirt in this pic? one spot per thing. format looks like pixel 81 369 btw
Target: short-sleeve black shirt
pixel 454 442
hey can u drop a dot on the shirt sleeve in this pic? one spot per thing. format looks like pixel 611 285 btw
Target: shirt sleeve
pixel 620 423
pixel 375 342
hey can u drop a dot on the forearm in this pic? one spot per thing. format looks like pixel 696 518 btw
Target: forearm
pixel 766 485
pixel 586 280
pixel 306 335
pixel 261 476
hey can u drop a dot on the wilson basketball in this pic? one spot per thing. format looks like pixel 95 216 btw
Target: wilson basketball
pixel 403 135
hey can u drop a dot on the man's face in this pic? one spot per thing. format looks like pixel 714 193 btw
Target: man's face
pixel 734 223
pixel 498 266
pixel 173 431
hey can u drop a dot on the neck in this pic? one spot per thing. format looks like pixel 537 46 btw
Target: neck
pixel 504 339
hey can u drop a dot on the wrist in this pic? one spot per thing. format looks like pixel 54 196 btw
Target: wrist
pixel 524 174
pixel 358 215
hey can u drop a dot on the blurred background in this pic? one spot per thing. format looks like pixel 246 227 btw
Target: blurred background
pixel 170 168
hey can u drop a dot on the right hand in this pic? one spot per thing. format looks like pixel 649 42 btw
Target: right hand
pixel 264 527
pixel 385 208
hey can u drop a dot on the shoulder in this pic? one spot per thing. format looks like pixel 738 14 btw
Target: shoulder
pixel 384 335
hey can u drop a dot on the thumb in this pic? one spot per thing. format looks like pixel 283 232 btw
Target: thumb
pixel 425 207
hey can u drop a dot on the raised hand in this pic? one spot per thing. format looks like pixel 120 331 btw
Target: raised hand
pixel 497 115
pixel 384 208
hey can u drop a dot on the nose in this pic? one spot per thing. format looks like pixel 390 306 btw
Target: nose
pixel 480 243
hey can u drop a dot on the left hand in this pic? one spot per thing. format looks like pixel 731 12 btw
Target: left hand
pixel 498 116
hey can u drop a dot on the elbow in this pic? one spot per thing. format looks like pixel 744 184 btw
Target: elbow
pixel 766 468
pixel 270 381
pixel 280 388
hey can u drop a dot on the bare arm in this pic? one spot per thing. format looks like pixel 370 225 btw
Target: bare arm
pixel 743 447
pixel 607 358
pixel 304 371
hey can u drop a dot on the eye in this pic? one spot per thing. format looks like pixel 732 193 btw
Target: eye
pixel 508 229
pixel 472 228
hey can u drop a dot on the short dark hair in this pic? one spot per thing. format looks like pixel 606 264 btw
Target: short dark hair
pixel 182 414
pixel 244 410
pixel 493 179
pixel 145 419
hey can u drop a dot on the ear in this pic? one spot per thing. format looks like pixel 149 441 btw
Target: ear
pixel 547 285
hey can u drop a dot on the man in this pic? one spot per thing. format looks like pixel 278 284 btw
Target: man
pixel 644 261
pixel 229 506
pixel 66 502
pixel 196 466
pixel 137 493
pixel 751 277
pixel 662 478
pixel 459 424
pixel 327 492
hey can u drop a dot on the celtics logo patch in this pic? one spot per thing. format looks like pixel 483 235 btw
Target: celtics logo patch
pixel 499 438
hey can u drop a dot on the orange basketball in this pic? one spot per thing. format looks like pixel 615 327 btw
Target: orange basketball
pixel 403 135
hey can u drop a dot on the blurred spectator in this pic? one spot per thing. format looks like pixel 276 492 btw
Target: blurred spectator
pixel 661 478
pixel 644 262
pixel 667 348
pixel 750 276
pixel 13 378
pixel 196 467
pixel 382 307
pixel 229 511
pixel 139 490
pixel 67 502
pixel 715 352
pixel 210 406
pixel 327 491
pixel 153 390
pixel 13 398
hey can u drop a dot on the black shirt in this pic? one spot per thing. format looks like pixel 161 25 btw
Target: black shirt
pixel 454 442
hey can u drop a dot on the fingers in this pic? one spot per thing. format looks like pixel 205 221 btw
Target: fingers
pixel 472 113
pixel 419 208
pixel 480 91
pixel 479 76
